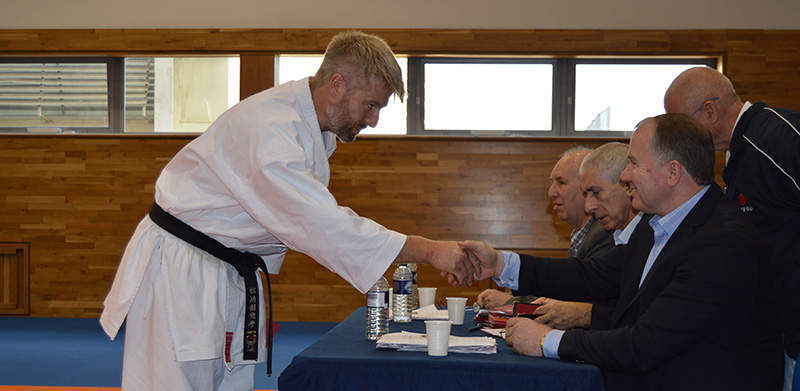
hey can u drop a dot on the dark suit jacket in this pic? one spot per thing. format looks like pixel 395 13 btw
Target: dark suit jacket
pixel 596 242
pixel 704 318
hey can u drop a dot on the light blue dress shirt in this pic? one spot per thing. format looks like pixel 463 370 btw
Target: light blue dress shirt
pixel 664 227
pixel 510 275
pixel 621 236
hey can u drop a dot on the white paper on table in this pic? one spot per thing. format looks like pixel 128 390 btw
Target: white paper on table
pixel 406 341
pixel 500 333
pixel 429 313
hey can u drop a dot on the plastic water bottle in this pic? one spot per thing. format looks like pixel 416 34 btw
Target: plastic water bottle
pixel 414 294
pixel 401 300
pixel 378 309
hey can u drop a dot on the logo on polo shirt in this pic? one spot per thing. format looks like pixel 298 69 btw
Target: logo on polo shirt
pixel 743 204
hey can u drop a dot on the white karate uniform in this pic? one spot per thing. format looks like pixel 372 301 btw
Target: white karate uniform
pixel 256 181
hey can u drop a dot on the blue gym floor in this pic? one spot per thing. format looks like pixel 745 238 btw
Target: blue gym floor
pixel 67 352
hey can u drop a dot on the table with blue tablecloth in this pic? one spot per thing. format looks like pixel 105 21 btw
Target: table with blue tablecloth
pixel 343 359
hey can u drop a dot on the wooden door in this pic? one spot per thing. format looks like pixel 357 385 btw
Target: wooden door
pixel 14 279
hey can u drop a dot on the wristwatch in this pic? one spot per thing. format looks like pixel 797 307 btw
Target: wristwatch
pixel 541 344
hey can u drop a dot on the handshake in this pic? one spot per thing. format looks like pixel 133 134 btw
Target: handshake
pixel 461 263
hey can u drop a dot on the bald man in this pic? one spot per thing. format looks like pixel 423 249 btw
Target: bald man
pixel 762 174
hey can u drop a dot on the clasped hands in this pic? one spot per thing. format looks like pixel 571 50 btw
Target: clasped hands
pixel 522 335
pixel 477 261
pixel 462 263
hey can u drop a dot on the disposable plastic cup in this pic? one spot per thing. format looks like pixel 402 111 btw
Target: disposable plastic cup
pixel 427 296
pixel 455 309
pixel 437 333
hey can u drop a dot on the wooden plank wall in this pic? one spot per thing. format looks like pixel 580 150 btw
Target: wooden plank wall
pixel 14 279
pixel 77 198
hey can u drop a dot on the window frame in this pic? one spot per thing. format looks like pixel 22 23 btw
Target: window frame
pixel 569 67
pixel 564 78
pixel 115 90
pixel 416 95
pixel 563 98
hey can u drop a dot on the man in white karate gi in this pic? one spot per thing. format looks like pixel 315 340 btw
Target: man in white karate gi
pixel 256 181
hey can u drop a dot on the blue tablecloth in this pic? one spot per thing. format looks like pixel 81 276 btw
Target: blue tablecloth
pixel 343 359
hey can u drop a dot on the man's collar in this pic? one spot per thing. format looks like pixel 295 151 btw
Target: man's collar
pixel 673 219
pixel 621 236
pixel 584 229
pixel 745 106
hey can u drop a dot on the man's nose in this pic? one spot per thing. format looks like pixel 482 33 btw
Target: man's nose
pixel 625 175
pixel 552 192
pixel 590 206
pixel 372 118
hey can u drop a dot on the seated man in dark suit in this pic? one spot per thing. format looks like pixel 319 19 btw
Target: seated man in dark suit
pixel 608 202
pixel 588 235
pixel 696 307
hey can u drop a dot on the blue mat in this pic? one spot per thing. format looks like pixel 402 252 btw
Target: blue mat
pixel 76 352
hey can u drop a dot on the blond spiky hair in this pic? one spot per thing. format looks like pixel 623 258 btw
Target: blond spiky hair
pixel 356 56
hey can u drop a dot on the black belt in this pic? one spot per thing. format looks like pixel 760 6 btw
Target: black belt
pixel 247 264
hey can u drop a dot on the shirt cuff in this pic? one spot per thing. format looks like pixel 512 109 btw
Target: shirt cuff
pixel 551 343
pixel 510 275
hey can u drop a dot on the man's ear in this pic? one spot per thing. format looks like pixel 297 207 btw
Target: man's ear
pixel 675 171
pixel 338 87
pixel 711 112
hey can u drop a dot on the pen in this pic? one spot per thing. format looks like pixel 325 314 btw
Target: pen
pixel 478 326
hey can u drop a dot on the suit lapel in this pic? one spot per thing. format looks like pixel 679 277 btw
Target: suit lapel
pixel 688 227
pixel 637 250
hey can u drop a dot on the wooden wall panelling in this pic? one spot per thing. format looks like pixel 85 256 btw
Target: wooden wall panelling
pixel 77 198
pixel 404 41
pixel 761 63
pixel 765 65
pixel 257 74
pixel 14 279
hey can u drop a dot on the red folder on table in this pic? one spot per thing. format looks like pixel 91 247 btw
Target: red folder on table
pixel 498 317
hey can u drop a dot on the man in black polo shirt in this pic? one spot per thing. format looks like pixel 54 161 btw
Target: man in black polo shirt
pixel 762 174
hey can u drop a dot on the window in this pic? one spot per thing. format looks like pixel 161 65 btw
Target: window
pixel 139 94
pixel 614 95
pixel 482 96
pixel 180 94
pixel 44 95
pixel 519 96
pixel 465 96
pixel 153 94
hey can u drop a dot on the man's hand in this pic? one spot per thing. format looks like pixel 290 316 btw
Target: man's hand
pixel 563 315
pixel 523 336
pixel 447 257
pixel 454 263
pixel 492 298
pixel 489 263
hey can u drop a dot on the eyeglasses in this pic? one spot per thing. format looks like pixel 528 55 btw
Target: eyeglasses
pixel 704 104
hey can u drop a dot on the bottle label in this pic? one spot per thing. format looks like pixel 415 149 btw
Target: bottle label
pixel 402 287
pixel 414 277
pixel 378 299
